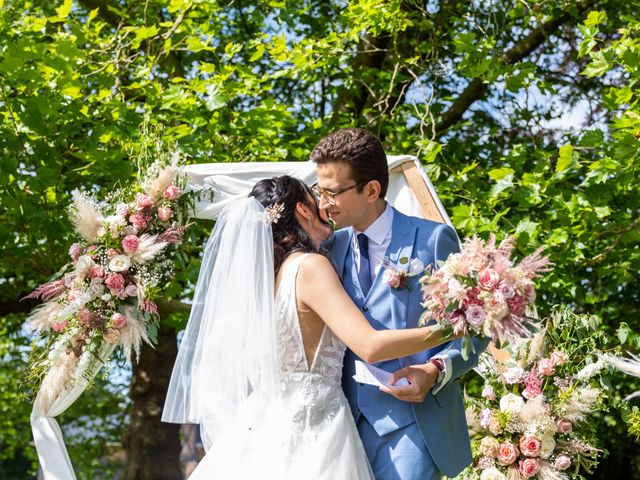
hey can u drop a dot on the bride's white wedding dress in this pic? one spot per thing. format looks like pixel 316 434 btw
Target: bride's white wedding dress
pixel 308 432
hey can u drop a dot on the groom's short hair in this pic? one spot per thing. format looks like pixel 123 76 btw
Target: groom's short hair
pixel 358 148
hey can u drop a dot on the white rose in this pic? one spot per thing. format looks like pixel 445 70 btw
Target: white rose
pixel 492 474
pixel 511 403
pixel 416 266
pixel 547 446
pixel 514 375
pixel 119 263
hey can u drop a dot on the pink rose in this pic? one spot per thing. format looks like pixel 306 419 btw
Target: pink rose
pixel 475 315
pixel 165 213
pixel 558 357
pixel 506 290
pixel 84 317
pixel 122 209
pixel 494 426
pixel 530 446
pixel 507 453
pixel 138 220
pixel 562 462
pixel 391 279
pixel 143 201
pixel 115 282
pixel 489 393
pixel 484 463
pixel 75 251
pixel 529 467
pixel 73 295
pixel 131 290
pixel 130 243
pixel 96 272
pixel 517 304
pixel 171 192
pixel 563 425
pixel 118 320
pixel 489 447
pixel 112 335
pixel 59 326
pixel 546 367
pixel 489 278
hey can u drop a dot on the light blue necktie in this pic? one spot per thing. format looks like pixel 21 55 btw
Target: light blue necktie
pixel 364 270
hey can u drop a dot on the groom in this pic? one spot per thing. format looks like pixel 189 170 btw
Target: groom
pixel 417 432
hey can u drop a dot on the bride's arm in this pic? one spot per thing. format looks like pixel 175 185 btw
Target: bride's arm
pixel 319 288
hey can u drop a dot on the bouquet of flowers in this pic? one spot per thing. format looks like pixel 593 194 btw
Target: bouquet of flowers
pixel 104 297
pixel 531 418
pixel 480 291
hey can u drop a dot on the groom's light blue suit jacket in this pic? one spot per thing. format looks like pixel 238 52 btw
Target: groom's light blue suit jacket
pixel 440 417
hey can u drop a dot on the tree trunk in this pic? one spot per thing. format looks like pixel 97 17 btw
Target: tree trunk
pixel 153 447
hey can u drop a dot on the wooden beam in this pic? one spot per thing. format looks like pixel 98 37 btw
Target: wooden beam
pixel 419 188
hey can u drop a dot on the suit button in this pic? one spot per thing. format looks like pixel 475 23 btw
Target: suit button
pixel 365 309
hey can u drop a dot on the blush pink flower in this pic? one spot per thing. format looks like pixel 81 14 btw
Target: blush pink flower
pixel 563 425
pixel 533 386
pixel 489 278
pixel 546 367
pixel 112 252
pixel 485 416
pixel 475 315
pixel 115 282
pixel 517 304
pixel 529 467
pixel 484 463
pixel 530 446
pixel 143 201
pixel 391 279
pixel 123 209
pixel 118 320
pixel 494 426
pixel 96 272
pixel 558 357
pixel 138 220
pixel 165 213
pixel 59 326
pixel 130 243
pixel 562 462
pixel 84 317
pixel 489 447
pixel 506 290
pixel 112 335
pixel 75 251
pixel 507 453
pixel 489 393
pixel 457 321
pixel 131 290
pixel 171 192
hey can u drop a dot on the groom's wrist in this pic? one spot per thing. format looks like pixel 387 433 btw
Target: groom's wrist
pixel 439 364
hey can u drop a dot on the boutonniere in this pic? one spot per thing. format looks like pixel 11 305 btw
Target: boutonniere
pixel 397 276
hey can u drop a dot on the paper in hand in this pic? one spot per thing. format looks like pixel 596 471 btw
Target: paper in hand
pixel 370 375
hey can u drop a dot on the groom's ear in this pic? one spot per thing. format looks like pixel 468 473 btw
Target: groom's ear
pixel 372 191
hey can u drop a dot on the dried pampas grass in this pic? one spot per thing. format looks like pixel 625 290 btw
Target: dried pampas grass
pixel 85 216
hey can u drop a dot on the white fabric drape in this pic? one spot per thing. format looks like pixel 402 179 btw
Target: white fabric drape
pixel 231 181
pixel 47 436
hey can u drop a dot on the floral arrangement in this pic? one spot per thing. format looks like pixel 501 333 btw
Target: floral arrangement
pixel 480 291
pixel 398 277
pixel 105 296
pixel 531 418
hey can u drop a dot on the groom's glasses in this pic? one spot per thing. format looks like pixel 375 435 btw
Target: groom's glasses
pixel 330 195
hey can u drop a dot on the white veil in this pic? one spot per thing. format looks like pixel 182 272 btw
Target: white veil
pixel 228 352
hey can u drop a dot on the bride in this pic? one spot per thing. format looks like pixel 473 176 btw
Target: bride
pixel 260 363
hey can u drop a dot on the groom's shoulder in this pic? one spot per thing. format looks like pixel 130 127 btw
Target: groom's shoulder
pixel 427 227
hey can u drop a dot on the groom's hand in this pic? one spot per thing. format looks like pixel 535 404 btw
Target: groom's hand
pixel 421 378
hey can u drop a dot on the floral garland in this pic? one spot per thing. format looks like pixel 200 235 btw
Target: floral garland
pixel 531 419
pixel 105 296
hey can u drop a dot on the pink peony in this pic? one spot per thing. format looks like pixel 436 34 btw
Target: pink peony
pixel 165 213
pixel 84 317
pixel 558 357
pixel 489 278
pixel 475 315
pixel 131 290
pixel 171 192
pixel 562 462
pixel 517 304
pixel 112 335
pixel 489 447
pixel 96 272
pixel 115 282
pixel 546 367
pixel 118 320
pixel 489 393
pixel 563 425
pixel 391 279
pixel 75 251
pixel 529 467
pixel 130 243
pixel 138 220
pixel 507 453
pixel 59 326
pixel 530 446
pixel 143 201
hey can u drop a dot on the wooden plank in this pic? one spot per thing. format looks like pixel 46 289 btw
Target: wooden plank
pixel 419 188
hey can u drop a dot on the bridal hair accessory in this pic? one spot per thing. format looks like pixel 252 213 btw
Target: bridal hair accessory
pixel 273 212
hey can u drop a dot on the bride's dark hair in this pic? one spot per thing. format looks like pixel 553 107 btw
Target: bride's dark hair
pixel 288 235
